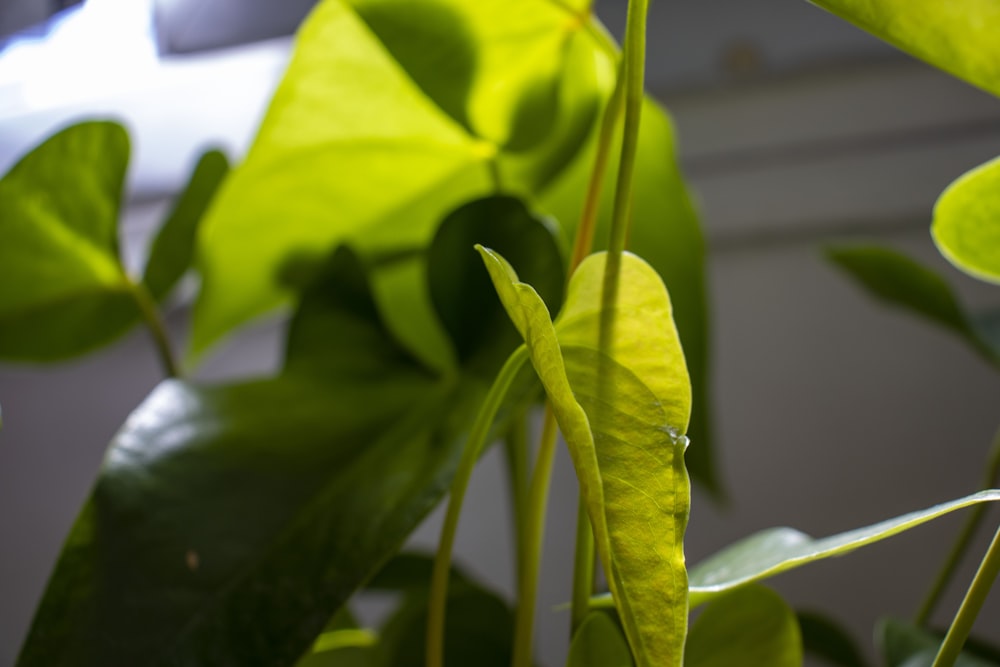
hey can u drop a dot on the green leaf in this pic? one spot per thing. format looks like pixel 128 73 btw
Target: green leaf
pixel 777 550
pixel 903 644
pixel 599 642
pixel 959 36
pixel 229 523
pixel 826 640
pixel 173 248
pixel 479 628
pixel 342 644
pixel 667 234
pixel 902 282
pixel 391 113
pixel 63 290
pixel 622 411
pixel 751 627
pixel 966 225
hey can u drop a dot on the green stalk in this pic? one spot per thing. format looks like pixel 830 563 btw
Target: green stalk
pixel 474 446
pixel 965 537
pixel 583 567
pixel 534 531
pixel 973 602
pixel 151 317
pixel 516 449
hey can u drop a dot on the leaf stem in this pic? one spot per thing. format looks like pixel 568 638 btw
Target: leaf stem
pixel 516 449
pixel 965 537
pixel 157 329
pixel 583 567
pixel 973 602
pixel 442 560
pixel 527 585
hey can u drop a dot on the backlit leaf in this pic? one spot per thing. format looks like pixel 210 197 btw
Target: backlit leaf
pixel 966 225
pixel 959 36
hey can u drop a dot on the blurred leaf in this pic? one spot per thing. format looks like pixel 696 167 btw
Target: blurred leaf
pixel 903 644
pixel 625 443
pixel 750 627
pixel 63 290
pixel 667 234
pixel 825 639
pixel 478 630
pixel 342 644
pixel 966 225
pixel 391 113
pixel 229 523
pixel 959 36
pixel 776 550
pixel 172 250
pixel 902 282
pixel 599 642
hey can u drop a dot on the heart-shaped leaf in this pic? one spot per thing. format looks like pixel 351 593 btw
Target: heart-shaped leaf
pixel 621 410
pixel 391 113
pixel 63 290
pixel 751 627
pixel 966 225
pixel 900 281
pixel 959 36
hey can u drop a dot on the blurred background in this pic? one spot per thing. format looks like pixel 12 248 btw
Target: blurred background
pixel 796 130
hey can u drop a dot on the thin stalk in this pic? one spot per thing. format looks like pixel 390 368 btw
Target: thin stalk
pixel 583 567
pixel 633 72
pixel 965 537
pixel 527 584
pixel 516 450
pixel 973 602
pixel 474 446
pixel 153 321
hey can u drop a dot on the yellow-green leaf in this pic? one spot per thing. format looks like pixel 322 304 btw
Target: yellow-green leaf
pixel 966 223
pixel 959 36
pixel 621 409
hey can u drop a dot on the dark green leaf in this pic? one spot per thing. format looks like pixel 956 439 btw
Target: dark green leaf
pixel 173 248
pixel 391 113
pixel 63 290
pixel 902 282
pixel 959 36
pixel 478 630
pixel 903 644
pixel 599 642
pixel 826 640
pixel 966 223
pixel 750 627
pixel 229 523
pixel 410 571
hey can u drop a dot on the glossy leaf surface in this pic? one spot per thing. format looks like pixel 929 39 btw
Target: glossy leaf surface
pixel 902 282
pixel 750 627
pixel 966 225
pixel 959 36
pixel 63 290
pixel 390 114
pixel 228 523
pixel 173 249
pixel 622 410
pixel 599 642
pixel 777 550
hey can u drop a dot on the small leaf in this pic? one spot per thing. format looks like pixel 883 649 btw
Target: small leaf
pixel 903 644
pixel 599 642
pixel 625 442
pixel 902 282
pixel 777 550
pixel 959 36
pixel 750 627
pixel 829 642
pixel 63 290
pixel 966 225
pixel 173 248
